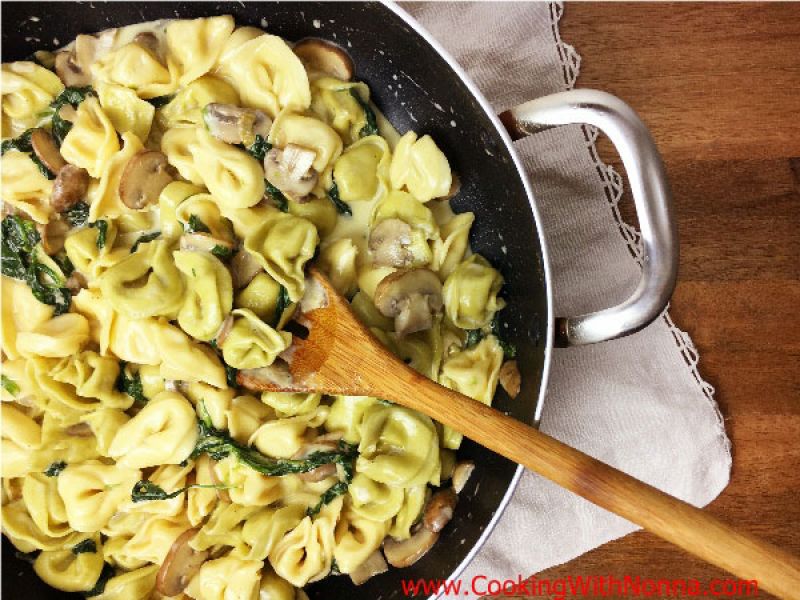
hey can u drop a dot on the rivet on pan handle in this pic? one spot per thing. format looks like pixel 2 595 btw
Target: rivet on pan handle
pixel 651 195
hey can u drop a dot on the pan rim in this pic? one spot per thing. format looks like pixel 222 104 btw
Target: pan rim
pixel 548 350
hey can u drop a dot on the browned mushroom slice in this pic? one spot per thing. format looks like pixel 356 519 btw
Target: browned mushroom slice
pixel 73 67
pixel 374 565
pixel 323 57
pixel 145 175
pixel 244 267
pixel 75 283
pixel 320 444
pixel 82 430
pixel 46 150
pixel 440 509
pixel 389 241
pixel 150 42
pixel 412 297
pixel 405 553
pixel 69 188
pixel 203 242
pixel 455 187
pixel 510 378
pixel 53 234
pixel 290 170
pixel 223 331
pixel 180 565
pixel 236 125
pixel 461 474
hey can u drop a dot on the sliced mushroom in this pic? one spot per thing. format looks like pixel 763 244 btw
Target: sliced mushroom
pixel 325 58
pixel 290 170
pixel 440 509
pixel 53 234
pixel 82 430
pixel 320 444
pixel 223 330
pixel 203 242
pixel 74 67
pixel 405 553
pixel 222 493
pixel 510 378
pixel 412 297
pixel 236 125
pixel 68 113
pixel 389 241
pixel 145 175
pixel 150 42
pixel 266 378
pixel 69 188
pixel 75 283
pixel 180 565
pixel 461 474
pixel 244 267
pixel 455 187
pixel 46 150
pixel 374 565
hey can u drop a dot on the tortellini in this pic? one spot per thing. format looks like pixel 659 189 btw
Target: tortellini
pixel 195 45
pixel 209 296
pixel 251 343
pixel 164 432
pixel 398 447
pixel 93 491
pixel 119 411
pixel 470 293
pixel 233 177
pixel 92 140
pixel 69 570
pixel 125 110
pixel 25 187
pixel 267 75
pixel 420 167
pixel 226 578
pixel 27 90
pixel 146 284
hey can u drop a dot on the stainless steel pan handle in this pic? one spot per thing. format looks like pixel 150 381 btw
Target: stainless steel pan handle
pixel 651 195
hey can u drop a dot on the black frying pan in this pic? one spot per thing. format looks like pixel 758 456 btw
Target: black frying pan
pixel 385 43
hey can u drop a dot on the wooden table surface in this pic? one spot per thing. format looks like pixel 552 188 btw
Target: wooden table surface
pixel 719 86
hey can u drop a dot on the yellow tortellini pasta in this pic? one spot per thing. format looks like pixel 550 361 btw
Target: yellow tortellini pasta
pixel 24 186
pixel 267 75
pixel 233 177
pixel 251 343
pixel 127 436
pixel 164 432
pixel 195 45
pixel 92 140
pixel 470 293
pixel 27 90
pixel 209 296
pixel 420 167
pixel 92 492
pixel 398 446
pixel 283 245
pixel 125 110
pixel 70 571
pixel 362 171
pixel 138 68
pixel 226 578
pixel 145 284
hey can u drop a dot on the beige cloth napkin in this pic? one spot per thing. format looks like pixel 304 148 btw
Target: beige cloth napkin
pixel 637 403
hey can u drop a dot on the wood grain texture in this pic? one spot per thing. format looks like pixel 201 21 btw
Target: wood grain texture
pixel 340 356
pixel 719 86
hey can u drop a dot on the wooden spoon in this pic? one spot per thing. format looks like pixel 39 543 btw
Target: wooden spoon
pixel 341 357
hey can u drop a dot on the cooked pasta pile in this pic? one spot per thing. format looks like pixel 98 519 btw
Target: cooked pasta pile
pixel 165 185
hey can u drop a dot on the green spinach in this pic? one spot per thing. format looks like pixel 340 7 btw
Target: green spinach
pixel 371 126
pixel 278 199
pixel 54 470
pixel 146 491
pixel 72 96
pixel 87 545
pixel 10 385
pixel 130 384
pixel 196 225
pixel 78 215
pixel 336 490
pixel 259 148
pixel 99 587
pixel 282 304
pixel 102 231
pixel 342 207
pixel 222 252
pixel 143 239
pixel 21 143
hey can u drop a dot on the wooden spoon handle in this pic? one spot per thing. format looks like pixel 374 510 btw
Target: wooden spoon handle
pixel 676 521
